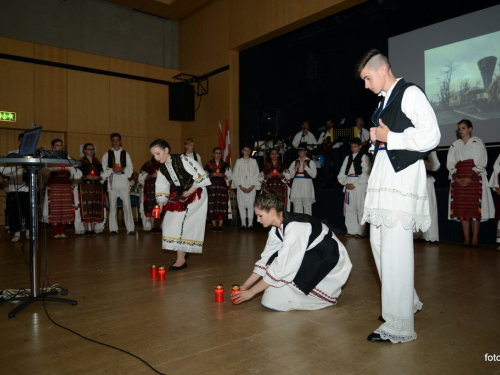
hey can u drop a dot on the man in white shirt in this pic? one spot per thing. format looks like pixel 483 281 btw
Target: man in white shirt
pixel 190 153
pixel 118 168
pixel 397 203
pixel 305 136
pixel 360 132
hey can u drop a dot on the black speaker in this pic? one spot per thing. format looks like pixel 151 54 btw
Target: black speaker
pixel 181 101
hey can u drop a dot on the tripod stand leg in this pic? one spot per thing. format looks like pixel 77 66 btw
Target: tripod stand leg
pixel 42 297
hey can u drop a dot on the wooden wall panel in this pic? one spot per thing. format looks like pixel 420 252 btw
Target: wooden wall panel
pixel 128 67
pixel 88 60
pixel 18 92
pixel 128 106
pixel 223 25
pixel 88 103
pixel 50 53
pixel 17 47
pixel 51 98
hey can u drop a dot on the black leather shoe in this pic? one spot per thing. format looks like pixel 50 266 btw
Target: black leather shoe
pixel 174 268
pixel 375 337
pixel 220 229
pixel 464 245
pixel 113 233
pixel 243 228
pixel 381 318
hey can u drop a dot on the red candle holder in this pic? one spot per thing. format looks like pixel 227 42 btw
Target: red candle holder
pixel 117 165
pixel 275 172
pixel 92 172
pixel 234 289
pixel 217 171
pixel 156 212
pixel 63 168
pixel 219 293
pixel 154 272
pixel 161 273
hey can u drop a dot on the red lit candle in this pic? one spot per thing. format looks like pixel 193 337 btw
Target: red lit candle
pixel 217 171
pixel 219 293
pixel 92 172
pixel 156 212
pixel 117 165
pixel 63 168
pixel 154 272
pixel 234 289
pixel 275 172
pixel 156 170
pixel 161 273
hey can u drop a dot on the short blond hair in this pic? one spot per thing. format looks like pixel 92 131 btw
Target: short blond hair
pixel 188 141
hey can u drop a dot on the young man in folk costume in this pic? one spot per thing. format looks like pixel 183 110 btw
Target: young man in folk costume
pixel 118 168
pixel 302 170
pixel 353 176
pixel 396 202
pixel 246 182
pixel 218 195
pixel 190 152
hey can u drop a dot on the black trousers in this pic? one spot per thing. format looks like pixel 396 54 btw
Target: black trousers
pixel 18 208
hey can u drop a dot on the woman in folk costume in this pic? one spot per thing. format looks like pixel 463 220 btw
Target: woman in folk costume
pixel 275 175
pixel 91 192
pixel 469 199
pixel 59 203
pixel 181 192
pixel 302 170
pixel 147 178
pixel 218 195
pixel 495 185
pixel 302 267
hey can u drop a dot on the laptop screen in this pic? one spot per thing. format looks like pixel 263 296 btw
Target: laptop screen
pixel 30 142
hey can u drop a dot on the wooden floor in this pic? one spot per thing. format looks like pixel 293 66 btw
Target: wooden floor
pixel 176 326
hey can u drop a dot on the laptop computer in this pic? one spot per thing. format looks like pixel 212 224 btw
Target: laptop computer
pixel 30 142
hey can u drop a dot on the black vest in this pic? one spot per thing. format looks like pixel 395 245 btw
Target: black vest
pixel 184 177
pixel 357 164
pixel 396 120
pixel 112 161
pixel 317 262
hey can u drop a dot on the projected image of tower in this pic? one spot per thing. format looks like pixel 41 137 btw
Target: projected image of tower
pixel 487 67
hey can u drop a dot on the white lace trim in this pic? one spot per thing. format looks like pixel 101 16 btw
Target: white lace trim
pixel 389 218
pixel 417 307
pixel 396 338
pixel 399 324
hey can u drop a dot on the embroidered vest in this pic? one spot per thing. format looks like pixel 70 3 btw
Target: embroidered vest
pixel 396 120
pixel 184 177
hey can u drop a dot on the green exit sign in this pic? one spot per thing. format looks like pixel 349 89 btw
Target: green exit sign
pixel 8 116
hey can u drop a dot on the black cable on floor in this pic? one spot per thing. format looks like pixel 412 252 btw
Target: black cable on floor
pixel 76 333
